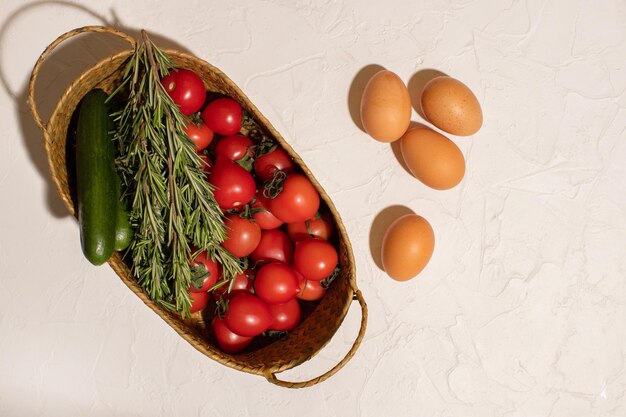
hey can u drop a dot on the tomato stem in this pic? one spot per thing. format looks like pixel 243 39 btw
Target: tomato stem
pixel 196 119
pixel 221 307
pixel 329 279
pixel 246 162
pixel 198 274
pixel 276 334
pixel 273 187
pixel 264 147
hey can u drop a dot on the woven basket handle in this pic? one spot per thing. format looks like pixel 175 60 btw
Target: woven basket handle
pixel 33 76
pixel 271 376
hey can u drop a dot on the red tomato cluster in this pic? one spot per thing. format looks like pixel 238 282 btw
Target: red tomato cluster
pixel 273 217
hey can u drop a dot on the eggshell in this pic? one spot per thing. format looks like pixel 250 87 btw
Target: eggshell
pixel 385 107
pixel 432 158
pixel 451 106
pixel 407 247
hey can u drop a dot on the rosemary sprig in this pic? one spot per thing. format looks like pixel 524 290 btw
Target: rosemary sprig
pixel 173 208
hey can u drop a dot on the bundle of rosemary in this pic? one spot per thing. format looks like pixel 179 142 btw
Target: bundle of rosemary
pixel 173 211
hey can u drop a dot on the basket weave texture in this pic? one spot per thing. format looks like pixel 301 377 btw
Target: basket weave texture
pixel 316 329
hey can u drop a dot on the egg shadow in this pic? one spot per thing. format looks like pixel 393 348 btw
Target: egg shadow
pixel 397 149
pixel 380 224
pixel 416 86
pixel 356 92
pixel 55 75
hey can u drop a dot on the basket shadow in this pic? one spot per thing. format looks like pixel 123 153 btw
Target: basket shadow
pixel 57 73
pixel 381 223
pixel 356 92
pixel 416 86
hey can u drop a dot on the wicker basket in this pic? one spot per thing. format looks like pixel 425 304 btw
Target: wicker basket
pixel 316 329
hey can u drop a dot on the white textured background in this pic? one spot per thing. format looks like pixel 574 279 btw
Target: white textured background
pixel 521 311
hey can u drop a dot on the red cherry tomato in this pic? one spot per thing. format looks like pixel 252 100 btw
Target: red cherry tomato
pixel 315 258
pixel 298 200
pixel 200 135
pixel 262 215
pixel 242 235
pixel 235 186
pixel 285 316
pixel 186 90
pixel 265 165
pixel 317 226
pixel 235 147
pixel 274 245
pixel 241 282
pixel 228 341
pixel 309 289
pixel 247 315
pixel 199 301
pixel 207 164
pixel 276 283
pixel 201 265
pixel 223 116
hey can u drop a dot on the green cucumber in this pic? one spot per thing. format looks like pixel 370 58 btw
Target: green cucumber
pixel 95 178
pixel 123 230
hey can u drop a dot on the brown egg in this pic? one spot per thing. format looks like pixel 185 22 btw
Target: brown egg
pixel 451 106
pixel 407 247
pixel 432 158
pixel 385 107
